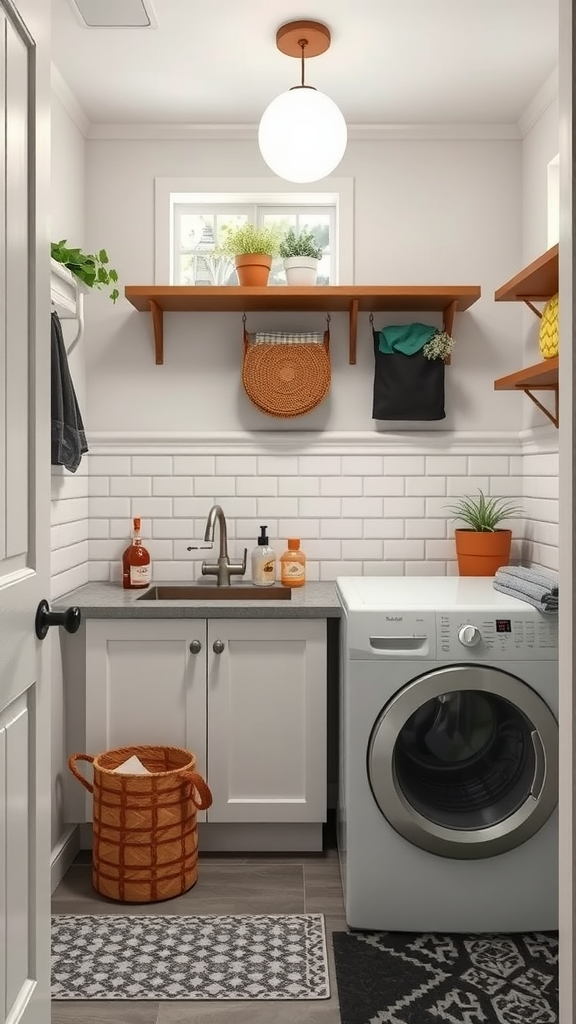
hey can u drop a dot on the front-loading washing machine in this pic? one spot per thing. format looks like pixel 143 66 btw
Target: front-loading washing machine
pixel 447 807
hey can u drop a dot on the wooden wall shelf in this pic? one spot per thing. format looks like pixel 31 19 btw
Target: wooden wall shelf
pixel 538 282
pixel 351 299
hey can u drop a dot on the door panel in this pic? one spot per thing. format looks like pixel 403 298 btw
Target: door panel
pixel 24 511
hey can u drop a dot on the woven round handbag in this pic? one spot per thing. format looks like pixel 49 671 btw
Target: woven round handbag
pixel 548 336
pixel 285 380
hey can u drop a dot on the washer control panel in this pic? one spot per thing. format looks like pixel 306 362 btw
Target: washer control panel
pixel 481 635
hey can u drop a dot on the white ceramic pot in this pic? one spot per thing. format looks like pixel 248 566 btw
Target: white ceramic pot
pixel 301 270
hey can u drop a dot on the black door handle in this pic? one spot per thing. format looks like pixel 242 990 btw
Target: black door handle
pixel 70 619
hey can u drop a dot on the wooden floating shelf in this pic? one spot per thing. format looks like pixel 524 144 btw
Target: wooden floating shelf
pixel 351 299
pixel 540 377
pixel 538 282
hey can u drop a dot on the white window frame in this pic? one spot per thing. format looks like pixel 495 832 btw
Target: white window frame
pixel 232 191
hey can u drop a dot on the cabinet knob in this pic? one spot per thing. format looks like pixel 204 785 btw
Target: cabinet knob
pixel 195 647
pixel 217 647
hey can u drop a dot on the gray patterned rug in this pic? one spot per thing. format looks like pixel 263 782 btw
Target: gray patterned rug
pixel 171 957
pixel 405 978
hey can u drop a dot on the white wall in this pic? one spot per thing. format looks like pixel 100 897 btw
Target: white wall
pixel 425 212
pixel 69 505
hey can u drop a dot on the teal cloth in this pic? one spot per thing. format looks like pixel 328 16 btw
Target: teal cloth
pixel 406 338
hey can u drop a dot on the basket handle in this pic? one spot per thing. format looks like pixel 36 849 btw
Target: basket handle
pixel 72 766
pixel 200 791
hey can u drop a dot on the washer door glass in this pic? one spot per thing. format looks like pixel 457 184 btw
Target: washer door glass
pixel 463 761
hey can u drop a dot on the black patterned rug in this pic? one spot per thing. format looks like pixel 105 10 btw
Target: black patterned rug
pixel 404 978
pixel 172 957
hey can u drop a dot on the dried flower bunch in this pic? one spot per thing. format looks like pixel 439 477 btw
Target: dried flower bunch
pixel 439 347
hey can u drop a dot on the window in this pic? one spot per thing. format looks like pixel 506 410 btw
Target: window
pixel 190 221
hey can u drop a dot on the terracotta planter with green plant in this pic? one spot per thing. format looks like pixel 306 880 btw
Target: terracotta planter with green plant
pixel 253 249
pixel 481 547
pixel 92 270
pixel 301 254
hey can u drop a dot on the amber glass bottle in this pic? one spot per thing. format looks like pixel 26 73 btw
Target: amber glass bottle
pixel 293 565
pixel 136 568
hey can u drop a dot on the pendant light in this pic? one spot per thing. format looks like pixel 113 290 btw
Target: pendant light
pixel 302 133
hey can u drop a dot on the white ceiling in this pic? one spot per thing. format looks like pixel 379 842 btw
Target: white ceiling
pixel 390 62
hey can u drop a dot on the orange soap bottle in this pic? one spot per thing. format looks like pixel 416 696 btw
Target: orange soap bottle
pixel 136 568
pixel 293 565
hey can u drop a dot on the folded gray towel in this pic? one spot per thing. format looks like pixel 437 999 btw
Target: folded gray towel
pixel 530 575
pixel 543 602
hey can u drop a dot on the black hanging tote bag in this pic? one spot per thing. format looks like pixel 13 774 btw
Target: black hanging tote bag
pixel 407 386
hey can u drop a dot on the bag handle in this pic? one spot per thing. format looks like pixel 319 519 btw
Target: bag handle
pixel 199 790
pixel 72 766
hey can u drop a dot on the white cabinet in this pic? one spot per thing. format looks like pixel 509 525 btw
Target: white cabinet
pixel 246 696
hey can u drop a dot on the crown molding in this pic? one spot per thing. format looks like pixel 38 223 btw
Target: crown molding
pixel 356 132
pixel 539 104
pixel 296 442
pixel 64 93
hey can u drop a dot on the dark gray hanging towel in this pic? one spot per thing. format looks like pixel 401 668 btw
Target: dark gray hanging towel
pixel 68 437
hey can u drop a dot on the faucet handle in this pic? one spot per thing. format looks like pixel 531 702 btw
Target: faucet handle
pixel 239 568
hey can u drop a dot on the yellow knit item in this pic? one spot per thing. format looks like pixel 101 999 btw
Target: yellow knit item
pixel 548 339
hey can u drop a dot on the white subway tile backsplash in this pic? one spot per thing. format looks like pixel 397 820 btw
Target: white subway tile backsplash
pixel 324 508
pixel 62 583
pixel 107 508
pixel 257 486
pixel 386 485
pixel 131 486
pixel 194 465
pixel 489 465
pixel 300 486
pixel 152 465
pixel 236 465
pixel 362 508
pixel 404 465
pixel 215 486
pixel 277 465
pixel 446 465
pixel 320 465
pixel 405 507
pixel 362 465
pixel 364 514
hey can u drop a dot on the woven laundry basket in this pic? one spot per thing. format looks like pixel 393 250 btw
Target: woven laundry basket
pixel 145 835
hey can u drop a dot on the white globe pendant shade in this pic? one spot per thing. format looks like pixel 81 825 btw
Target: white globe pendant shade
pixel 302 135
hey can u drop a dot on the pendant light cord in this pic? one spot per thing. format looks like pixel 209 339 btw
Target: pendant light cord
pixel 303 43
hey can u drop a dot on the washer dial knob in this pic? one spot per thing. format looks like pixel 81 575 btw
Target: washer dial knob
pixel 469 636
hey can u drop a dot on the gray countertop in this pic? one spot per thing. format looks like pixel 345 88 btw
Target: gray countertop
pixel 111 601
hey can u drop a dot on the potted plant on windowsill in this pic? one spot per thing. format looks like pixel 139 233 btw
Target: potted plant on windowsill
pixel 90 269
pixel 301 254
pixel 481 546
pixel 253 249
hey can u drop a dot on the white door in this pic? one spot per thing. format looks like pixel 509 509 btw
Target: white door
pixel 24 512
pixel 267 720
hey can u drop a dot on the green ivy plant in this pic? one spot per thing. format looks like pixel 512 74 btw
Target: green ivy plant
pixel 483 514
pixel 302 244
pixel 90 268
pixel 247 238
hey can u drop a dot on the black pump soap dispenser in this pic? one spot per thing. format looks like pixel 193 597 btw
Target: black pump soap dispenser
pixel 263 561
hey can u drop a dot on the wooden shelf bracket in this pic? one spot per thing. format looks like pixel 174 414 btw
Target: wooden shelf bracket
pixel 158 328
pixel 554 417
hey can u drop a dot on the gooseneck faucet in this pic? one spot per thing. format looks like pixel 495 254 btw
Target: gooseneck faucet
pixel 223 569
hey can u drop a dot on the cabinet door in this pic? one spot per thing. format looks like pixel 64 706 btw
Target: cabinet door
pixel 267 720
pixel 145 685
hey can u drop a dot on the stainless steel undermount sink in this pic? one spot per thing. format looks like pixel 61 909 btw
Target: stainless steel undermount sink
pixel 210 592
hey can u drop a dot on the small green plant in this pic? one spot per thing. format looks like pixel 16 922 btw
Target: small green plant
pixel 90 268
pixel 247 238
pixel 483 514
pixel 439 347
pixel 302 244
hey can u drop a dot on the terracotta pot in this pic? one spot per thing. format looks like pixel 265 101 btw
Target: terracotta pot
pixel 300 270
pixel 481 554
pixel 253 269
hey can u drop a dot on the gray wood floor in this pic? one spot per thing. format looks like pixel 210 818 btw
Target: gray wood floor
pixel 226 885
